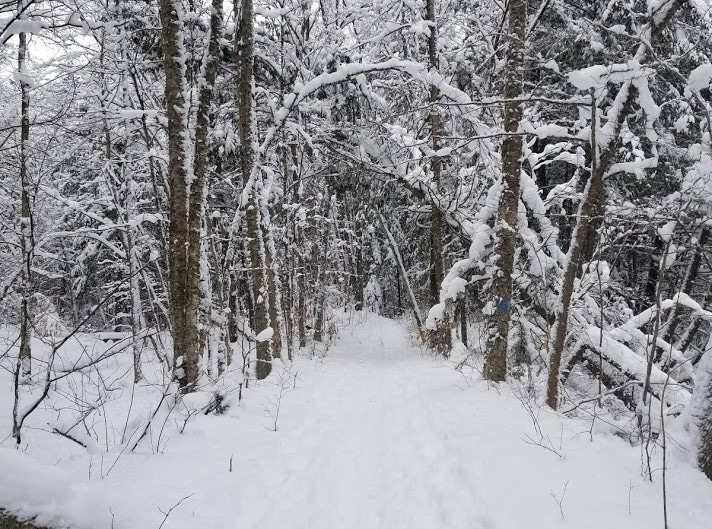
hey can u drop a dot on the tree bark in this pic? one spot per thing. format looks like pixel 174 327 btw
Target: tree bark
pixel 134 270
pixel 273 289
pixel 506 231
pixel 199 291
pixel 592 194
pixel 252 180
pixel 26 235
pixel 440 338
pixel 321 275
pixel 183 309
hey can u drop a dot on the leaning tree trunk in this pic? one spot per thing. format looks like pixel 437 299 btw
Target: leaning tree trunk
pixel 183 309
pixel 588 217
pixel 440 338
pixel 244 47
pixel 506 238
pixel 26 242
pixel 399 261
pixel 592 195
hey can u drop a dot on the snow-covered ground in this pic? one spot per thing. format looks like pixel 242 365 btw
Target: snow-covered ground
pixel 373 434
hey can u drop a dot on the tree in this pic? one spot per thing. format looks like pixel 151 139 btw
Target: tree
pixel 440 338
pixel 183 297
pixel 26 231
pixel 603 151
pixel 507 222
pixel 252 182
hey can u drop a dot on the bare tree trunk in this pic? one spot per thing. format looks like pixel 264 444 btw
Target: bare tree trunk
pixel 440 338
pixel 301 297
pixel 244 46
pixel 463 318
pixel 506 232
pixel 200 292
pixel 222 288
pixel 301 283
pixel 593 193
pixel 124 198
pixel 288 305
pixel 355 249
pixel 184 314
pixel 134 284
pixel 272 287
pixel 288 298
pixel 26 231
pixel 321 276
pixel 187 185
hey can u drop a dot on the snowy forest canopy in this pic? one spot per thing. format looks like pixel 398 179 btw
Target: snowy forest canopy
pixel 529 182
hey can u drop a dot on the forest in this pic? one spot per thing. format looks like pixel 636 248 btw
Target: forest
pixel 230 229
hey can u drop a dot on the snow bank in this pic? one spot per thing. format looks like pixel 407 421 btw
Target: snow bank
pixel 56 497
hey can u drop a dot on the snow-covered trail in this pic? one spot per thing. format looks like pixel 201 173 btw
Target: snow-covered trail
pixel 379 435
pixel 367 453
pixel 375 435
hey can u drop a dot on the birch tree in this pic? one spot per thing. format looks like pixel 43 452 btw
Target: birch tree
pixel 25 228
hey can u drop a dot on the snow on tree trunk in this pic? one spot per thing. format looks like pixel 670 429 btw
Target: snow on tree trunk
pixel 275 315
pixel 183 301
pixel 134 284
pixel 252 179
pixel 26 235
pixel 498 320
pixel 440 338
pixel 198 276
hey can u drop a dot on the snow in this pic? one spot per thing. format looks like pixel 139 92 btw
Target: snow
pixel 24 26
pixel 480 235
pixel 371 434
pixel 598 76
pixel 666 232
pixel 552 65
pixel 133 114
pixel 700 78
pixel 545 131
pixel 587 78
pixel 265 335
pixel 659 9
